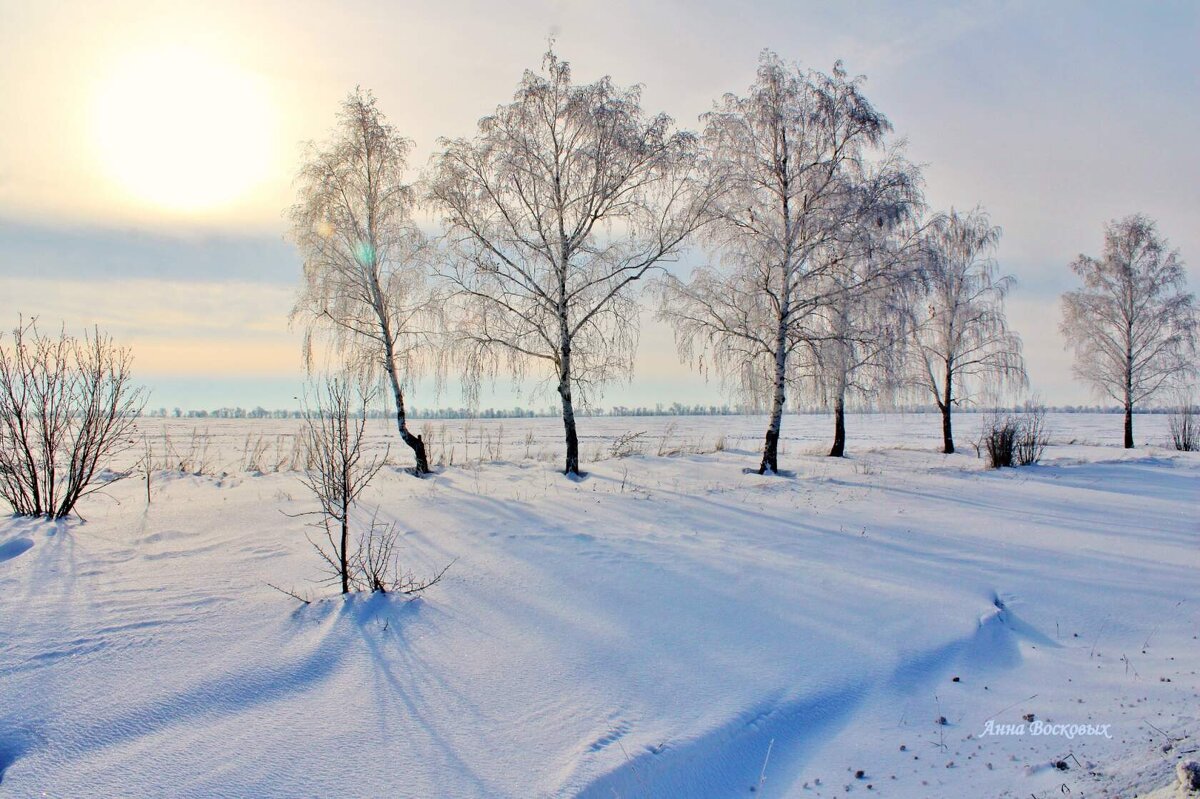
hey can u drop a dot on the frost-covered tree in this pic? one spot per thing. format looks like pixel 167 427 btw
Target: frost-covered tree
pixel 567 196
pixel 858 348
pixel 806 177
pixel 1132 325
pixel 365 288
pixel 961 343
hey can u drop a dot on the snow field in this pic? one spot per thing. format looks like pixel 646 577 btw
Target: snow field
pixel 668 626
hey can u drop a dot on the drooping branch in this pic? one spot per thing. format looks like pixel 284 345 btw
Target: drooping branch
pixel 366 294
pixel 566 199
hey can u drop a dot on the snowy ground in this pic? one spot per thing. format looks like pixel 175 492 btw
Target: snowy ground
pixel 667 627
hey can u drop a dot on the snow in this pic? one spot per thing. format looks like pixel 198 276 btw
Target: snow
pixel 667 626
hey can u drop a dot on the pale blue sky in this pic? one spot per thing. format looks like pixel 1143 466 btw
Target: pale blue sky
pixel 1055 116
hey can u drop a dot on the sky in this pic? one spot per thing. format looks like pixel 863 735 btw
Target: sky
pixel 147 150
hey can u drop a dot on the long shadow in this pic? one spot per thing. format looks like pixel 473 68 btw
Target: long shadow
pixel 225 694
pixel 1132 477
pixel 366 614
pixel 761 750
pixel 15 547
pixel 12 747
pixel 992 647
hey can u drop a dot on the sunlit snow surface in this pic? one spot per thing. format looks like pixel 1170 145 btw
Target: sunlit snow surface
pixel 669 626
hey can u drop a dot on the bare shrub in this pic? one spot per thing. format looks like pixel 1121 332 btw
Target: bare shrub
pixel 67 406
pixel 146 464
pixel 1032 436
pixel 191 457
pixel 1185 434
pixel 341 470
pixel 666 445
pixel 376 563
pixel 263 454
pixel 999 440
pixel 627 444
pixel 254 453
pixel 492 445
pixel 1014 440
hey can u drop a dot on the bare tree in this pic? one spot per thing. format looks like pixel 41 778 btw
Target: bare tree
pixel 1132 325
pixel 365 288
pixel 961 341
pixel 805 177
pixel 340 469
pixel 567 197
pixel 67 406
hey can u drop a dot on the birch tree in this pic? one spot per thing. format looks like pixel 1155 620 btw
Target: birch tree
pixel 1132 325
pixel 858 348
pixel 567 197
pixel 366 290
pixel 961 343
pixel 805 175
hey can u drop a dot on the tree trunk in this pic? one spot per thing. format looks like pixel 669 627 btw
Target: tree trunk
pixel 416 443
pixel 947 427
pixel 770 456
pixel 344 552
pixel 345 558
pixel 947 431
pixel 1129 396
pixel 568 413
pixel 839 428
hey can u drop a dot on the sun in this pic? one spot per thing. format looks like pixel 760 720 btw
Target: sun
pixel 183 131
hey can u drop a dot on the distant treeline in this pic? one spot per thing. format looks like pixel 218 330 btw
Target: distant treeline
pixel 674 409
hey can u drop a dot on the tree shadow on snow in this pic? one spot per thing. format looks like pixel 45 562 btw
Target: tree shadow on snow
pixel 761 750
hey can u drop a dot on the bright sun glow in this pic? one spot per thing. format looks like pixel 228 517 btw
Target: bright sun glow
pixel 182 131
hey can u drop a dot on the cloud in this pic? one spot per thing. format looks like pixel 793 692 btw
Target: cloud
pixel 1055 116
pixel 174 328
pixel 83 253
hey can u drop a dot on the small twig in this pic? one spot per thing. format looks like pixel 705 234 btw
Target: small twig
pixel 762 776
pixel 1014 704
pixel 1146 645
pixel 1098 634
pixel 292 594
pixel 430 583
pixel 1170 738
pixel 633 765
